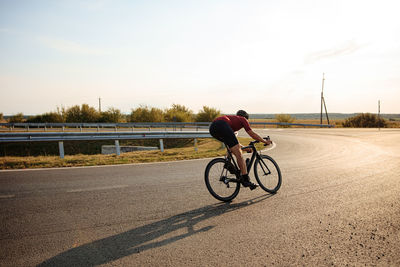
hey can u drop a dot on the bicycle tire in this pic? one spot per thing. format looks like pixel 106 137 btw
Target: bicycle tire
pixel 215 177
pixel 270 182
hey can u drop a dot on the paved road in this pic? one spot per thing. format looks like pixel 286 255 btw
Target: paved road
pixel 338 204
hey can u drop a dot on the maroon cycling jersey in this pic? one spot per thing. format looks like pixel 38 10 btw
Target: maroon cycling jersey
pixel 235 122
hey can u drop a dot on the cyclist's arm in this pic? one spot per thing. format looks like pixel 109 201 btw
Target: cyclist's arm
pixel 255 136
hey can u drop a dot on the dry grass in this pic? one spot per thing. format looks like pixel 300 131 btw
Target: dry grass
pixel 207 148
pixel 337 123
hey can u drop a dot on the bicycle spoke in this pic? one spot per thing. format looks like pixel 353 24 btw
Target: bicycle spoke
pixel 220 182
pixel 267 173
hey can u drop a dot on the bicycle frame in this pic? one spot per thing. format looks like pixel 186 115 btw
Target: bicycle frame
pixel 254 155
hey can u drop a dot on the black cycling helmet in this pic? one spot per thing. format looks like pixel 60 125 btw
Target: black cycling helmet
pixel 242 113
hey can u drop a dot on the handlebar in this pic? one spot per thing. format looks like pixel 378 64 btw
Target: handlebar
pixel 255 142
pixel 267 139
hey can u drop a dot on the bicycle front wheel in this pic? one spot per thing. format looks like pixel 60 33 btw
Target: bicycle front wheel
pixel 268 174
pixel 220 182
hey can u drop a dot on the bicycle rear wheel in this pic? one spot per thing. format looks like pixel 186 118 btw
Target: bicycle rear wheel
pixel 268 174
pixel 220 182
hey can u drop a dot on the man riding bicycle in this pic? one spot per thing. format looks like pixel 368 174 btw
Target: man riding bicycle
pixel 223 128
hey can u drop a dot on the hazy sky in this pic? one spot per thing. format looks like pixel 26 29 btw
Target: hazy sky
pixel 261 56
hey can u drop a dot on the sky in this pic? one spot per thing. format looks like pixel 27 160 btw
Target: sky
pixel 261 56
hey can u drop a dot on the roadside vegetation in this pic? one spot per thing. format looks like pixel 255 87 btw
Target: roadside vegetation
pixel 284 118
pixel 207 148
pixel 19 117
pixel 88 114
pixel 180 113
pixel 146 114
pixel 365 120
pixel 207 114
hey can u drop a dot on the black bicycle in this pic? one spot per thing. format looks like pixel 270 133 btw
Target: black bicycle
pixel 222 175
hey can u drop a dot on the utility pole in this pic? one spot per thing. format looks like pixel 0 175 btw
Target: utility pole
pixel 379 114
pixel 322 96
pixel 99 105
pixel 323 104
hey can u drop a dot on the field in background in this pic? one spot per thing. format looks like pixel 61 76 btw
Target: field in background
pixel 316 116
pixel 337 122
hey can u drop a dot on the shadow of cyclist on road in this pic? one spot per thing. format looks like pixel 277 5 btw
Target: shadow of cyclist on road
pixel 145 237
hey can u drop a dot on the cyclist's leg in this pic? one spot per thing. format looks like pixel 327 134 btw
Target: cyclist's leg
pixel 234 146
pixel 242 165
pixel 229 137
pixel 239 158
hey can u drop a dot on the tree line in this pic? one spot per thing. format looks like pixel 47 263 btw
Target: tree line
pixel 88 114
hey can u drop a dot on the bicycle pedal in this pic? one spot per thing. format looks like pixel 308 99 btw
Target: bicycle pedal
pixel 253 186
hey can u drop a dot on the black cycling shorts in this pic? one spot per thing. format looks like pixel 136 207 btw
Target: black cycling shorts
pixel 221 131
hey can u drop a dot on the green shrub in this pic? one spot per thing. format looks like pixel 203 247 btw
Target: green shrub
pixel 85 113
pixel 178 113
pixel 112 115
pixel 146 114
pixel 285 118
pixel 17 118
pixel 365 120
pixel 207 114
pixel 51 117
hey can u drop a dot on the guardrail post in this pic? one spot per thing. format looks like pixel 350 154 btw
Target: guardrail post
pixel 61 149
pixel 161 145
pixel 195 145
pixel 117 148
pixel 27 128
pixel 63 128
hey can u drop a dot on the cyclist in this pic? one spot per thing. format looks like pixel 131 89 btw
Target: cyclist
pixel 223 128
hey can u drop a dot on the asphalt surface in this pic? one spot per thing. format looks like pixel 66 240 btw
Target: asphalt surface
pixel 338 205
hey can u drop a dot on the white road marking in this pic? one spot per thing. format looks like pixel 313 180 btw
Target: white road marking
pixel 96 188
pixel 6 196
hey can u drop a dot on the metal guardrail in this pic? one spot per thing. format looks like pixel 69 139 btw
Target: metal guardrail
pixel 60 137
pixel 116 135
pixel 78 136
pixel 197 125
